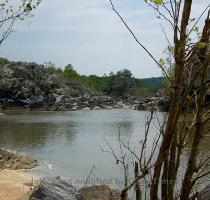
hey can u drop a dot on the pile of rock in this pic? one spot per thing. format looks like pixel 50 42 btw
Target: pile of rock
pixel 57 189
pixel 86 101
pixel 30 86
pixel 157 103
pixel 99 192
pixel 14 161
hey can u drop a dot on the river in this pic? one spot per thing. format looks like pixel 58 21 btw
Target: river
pixel 73 144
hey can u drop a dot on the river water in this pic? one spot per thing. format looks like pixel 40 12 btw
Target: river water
pixel 74 145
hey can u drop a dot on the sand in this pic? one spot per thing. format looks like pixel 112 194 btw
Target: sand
pixel 15 185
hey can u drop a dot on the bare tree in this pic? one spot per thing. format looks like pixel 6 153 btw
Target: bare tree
pixel 12 12
pixel 188 90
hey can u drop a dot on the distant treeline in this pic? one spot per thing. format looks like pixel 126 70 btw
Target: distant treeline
pixel 120 84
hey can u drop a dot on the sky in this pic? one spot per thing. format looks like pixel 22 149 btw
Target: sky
pixel 89 35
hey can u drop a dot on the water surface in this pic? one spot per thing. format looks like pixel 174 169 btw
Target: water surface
pixel 73 143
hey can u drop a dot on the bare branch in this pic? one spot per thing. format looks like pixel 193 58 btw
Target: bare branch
pixel 134 36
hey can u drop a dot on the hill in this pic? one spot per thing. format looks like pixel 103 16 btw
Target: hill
pixel 30 85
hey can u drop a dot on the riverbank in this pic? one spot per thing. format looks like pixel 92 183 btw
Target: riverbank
pixel 15 184
pixel 31 86
pixel 116 105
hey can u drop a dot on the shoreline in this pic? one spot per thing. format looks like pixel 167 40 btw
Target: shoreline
pixel 2 111
pixel 16 184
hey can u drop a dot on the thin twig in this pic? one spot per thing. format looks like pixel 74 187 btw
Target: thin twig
pixel 134 36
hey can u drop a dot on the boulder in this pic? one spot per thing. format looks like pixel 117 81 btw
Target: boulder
pixel 55 189
pixel 141 106
pixel 14 161
pixel 99 192
pixel 29 85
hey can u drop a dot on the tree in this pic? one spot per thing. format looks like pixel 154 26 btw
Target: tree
pixel 70 72
pixel 52 69
pixel 125 73
pixel 121 85
pixel 191 60
pixel 10 14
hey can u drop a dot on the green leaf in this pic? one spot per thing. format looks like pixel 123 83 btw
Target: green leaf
pixel 196 29
pixel 201 45
pixel 162 61
pixel 158 2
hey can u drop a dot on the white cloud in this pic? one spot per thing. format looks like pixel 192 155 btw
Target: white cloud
pixel 88 34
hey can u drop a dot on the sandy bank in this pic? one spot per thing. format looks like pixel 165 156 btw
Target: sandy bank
pixel 15 185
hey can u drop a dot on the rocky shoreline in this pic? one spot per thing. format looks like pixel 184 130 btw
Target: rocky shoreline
pixel 14 161
pixel 13 182
pixel 30 86
pixel 15 185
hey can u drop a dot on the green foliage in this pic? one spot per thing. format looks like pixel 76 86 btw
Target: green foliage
pixel 52 69
pixel 69 72
pixel 124 73
pixel 153 84
pixel 121 85
pixel 168 64
pixel 3 61
pixel 201 45
pixel 158 2
pixel 95 83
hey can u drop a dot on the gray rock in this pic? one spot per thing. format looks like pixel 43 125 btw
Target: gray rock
pixel 55 189
pixel 141 106
pixel 59 98
pixel 14 161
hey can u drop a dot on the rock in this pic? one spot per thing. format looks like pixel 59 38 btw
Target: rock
pixel 85 108
pixel 156 103
pixel 55 189
pixel 14 161
pixel 59 98
pixel 31 86
pixel 142 105
pixel 99 193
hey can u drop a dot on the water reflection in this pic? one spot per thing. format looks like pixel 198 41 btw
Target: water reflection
pixel 71 141
pixel 23 131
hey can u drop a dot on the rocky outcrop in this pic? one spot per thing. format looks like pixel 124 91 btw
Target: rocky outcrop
pixel 158 103
pixel 14 161
pixel 99 192
pixel 31 86
pixel 55 189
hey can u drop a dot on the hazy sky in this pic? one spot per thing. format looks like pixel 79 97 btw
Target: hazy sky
pixel 88 35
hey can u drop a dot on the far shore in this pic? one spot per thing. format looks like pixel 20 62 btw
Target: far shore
pixel 19 109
